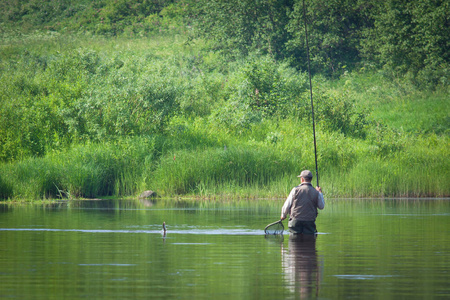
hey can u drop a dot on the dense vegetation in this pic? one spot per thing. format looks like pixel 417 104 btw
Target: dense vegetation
pixel 211 98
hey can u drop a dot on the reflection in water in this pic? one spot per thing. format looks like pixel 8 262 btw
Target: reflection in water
pixel 146 202
pixel 115 249
pixel 300 266
pixel 276 239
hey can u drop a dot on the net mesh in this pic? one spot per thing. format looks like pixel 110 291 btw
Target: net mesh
pixel 274 228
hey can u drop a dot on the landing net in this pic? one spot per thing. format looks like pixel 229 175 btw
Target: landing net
pixel 274 228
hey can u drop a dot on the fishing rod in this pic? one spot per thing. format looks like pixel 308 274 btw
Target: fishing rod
pixel 311 92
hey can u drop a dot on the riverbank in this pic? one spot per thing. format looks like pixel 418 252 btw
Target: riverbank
pixel 114 117
pixel 238 171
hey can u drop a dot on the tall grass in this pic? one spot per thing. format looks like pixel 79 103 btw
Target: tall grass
pixel 209 168
pixel 201 171
pixel 85 171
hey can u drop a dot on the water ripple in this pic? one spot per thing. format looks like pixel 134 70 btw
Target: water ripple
pixel 363 277
pixel 190 231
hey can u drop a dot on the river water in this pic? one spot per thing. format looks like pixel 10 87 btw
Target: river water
pixel 115 249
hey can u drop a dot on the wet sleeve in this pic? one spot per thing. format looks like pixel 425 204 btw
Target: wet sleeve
pixel 321 202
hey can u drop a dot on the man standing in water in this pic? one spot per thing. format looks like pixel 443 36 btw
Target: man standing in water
pixel 302 204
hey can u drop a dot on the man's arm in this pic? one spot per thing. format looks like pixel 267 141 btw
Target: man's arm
pixel 321 202
pixel 285 210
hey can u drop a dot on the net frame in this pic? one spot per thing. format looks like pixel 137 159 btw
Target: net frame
pixel 274 228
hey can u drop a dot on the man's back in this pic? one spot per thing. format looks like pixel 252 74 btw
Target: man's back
pixel 304 206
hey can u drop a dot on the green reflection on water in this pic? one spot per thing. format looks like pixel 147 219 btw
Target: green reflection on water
pixel 115 249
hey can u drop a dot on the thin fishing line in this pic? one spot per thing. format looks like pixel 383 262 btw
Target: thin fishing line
pixel 311 91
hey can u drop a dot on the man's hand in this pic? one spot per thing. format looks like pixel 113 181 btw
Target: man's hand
pixel 319 189
pixel 282 218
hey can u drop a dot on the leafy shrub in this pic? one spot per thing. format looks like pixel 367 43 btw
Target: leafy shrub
pixel 83 95
pixel 260 88
pixel 336 111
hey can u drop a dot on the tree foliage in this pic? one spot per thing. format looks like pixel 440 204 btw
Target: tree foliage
pixel 403 37
pixel 334 30
pixel 107 17
pixel 410 37
pixel 242 26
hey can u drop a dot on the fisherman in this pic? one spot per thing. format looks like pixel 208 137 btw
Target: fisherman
pixel 301 205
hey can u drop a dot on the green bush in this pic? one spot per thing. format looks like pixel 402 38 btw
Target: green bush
pixel 260 88
pixel 82 96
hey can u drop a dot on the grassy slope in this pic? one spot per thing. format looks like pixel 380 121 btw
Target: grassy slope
pixel 405 152
pixel 418 125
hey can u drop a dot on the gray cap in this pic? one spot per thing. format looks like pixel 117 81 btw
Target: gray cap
pixel 306 174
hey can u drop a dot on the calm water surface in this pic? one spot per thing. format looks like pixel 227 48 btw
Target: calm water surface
pixel 366 249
